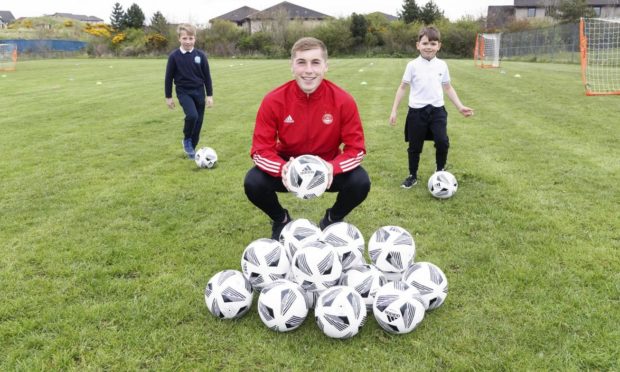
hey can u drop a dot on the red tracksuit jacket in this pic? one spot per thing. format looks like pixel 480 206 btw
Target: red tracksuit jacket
pixel 290 122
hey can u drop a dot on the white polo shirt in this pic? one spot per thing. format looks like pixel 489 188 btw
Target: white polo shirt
pixel 426 79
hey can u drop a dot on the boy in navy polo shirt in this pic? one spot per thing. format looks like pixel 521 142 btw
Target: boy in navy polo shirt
pixel 427 78
pixel 188 68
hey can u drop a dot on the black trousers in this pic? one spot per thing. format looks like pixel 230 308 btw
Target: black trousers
pixel 193 103
pixel 352 188
pixel 423 124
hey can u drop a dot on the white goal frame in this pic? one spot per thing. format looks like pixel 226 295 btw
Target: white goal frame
pixel 599 42
pixel 8 56
pixel 486 51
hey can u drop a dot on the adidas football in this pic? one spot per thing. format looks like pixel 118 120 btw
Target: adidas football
pixel 430 281
pixel 264 261
pixel 397 308
pixel 392 250
pixel 340 312
pixel 442 185
pixel 307 176
pixel 366 280
pixel 316 266
pixel 348 241
pixel 282 306
pixel 206 157
pixel 228 295
pixel 297 233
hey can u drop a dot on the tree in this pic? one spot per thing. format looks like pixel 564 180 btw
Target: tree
pixel 134 17
pixel 159 23
pixel 569 11
pixel 410 12
pixel 117 17
pixel 359 28
pixel 430 13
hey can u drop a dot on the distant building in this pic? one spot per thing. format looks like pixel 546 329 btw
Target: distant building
pixel 500 16
pixel 254 21
pixel 6 17
pixel 77 17
pixel 237 16
pixel 388 17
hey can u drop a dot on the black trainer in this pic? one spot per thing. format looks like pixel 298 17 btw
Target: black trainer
pixel 326 220
pixel 276 227
pixel 409 182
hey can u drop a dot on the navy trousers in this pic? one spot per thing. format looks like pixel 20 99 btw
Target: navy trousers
pixel 193 103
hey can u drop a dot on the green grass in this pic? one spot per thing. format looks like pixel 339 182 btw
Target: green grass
pixel 108 236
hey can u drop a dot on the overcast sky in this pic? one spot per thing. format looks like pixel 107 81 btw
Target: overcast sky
pixel 200 11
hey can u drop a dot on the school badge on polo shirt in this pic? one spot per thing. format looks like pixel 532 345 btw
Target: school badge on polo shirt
pixel 197 60
pixel 328 119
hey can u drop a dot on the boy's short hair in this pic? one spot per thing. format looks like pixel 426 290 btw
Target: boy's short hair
pixel 431 33
pixel 188 28
pixel 308 43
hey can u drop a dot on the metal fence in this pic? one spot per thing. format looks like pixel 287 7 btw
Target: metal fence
pixel 47 48
pixel 559 43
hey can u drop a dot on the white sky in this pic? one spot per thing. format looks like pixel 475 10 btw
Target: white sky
pixel 200 11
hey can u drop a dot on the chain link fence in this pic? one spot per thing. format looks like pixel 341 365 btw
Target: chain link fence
pixel 558 43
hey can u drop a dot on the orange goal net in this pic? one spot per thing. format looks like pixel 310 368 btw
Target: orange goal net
pixel 599 42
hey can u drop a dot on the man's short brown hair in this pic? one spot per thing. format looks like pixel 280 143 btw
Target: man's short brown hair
pixel 308 43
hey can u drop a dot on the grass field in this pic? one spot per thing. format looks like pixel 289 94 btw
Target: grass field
pixel 108 235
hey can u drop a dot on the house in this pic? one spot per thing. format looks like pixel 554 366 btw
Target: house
pixel 270 17
pixel 6 17
pixel 77 17
pixel 254 21
pixel 237 16
pixel 539 9
pixel 527 9
pixel 388 17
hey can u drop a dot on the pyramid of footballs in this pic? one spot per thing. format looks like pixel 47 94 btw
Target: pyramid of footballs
pixel 327 272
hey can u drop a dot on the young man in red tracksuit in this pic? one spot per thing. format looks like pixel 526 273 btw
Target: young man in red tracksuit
pixel 307 115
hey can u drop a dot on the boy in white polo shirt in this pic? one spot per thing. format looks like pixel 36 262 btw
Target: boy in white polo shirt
pixel 427 78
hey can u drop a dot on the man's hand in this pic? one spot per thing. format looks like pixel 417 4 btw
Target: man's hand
pixel 170 103
pixel 285 169
pixel 330 173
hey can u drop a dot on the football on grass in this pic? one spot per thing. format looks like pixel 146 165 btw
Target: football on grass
pixel 206 157
pixel 442 185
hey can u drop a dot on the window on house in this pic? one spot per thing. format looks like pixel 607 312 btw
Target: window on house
pixel 597 10
pixel 531 12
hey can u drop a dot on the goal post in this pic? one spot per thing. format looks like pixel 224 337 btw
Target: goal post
pixel 8 56
pixel 599 42
pixel 486 50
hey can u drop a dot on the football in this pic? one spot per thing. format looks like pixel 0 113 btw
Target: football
pixel 366 280
pixel 348 241
pixel 228 295
pixel 340 312
pixel 397 308
pixel 307 176
pixel 430 281
pixel 297 233
pixel 391 249
pixel 316 266
pixel 282 306
pixel 206 157
pixel 264 261
pixel 442 185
